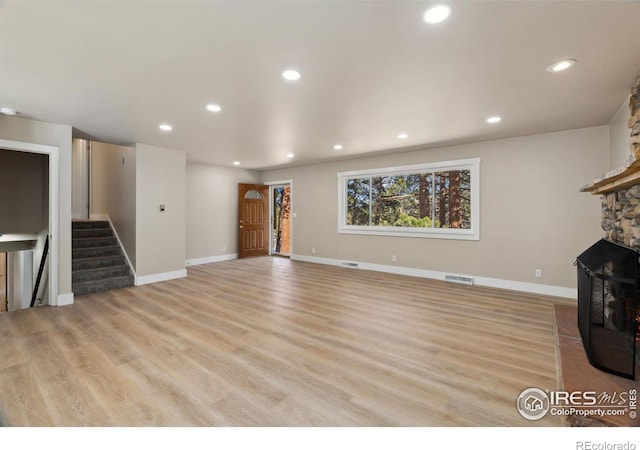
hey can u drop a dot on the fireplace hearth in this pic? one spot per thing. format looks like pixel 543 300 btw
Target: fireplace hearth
pixel 609 306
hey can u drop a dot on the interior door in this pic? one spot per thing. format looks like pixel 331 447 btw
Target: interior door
pixel 253 223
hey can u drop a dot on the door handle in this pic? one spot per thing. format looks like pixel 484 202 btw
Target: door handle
pixel 241 226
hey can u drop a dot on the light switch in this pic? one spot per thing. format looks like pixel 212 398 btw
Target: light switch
pixel 161 207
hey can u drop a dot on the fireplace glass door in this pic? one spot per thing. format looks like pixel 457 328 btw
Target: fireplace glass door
pixel 608 306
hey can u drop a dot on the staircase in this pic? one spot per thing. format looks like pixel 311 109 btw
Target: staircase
pixel 98 261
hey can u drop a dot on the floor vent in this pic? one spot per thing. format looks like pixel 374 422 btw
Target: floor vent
pixel 459 279
pixel 351 265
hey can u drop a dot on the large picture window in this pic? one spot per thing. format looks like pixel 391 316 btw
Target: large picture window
pixel 438 200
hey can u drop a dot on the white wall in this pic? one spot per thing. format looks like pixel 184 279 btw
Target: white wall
pixel 113 191
pixel 212 210
pixel 532 215
pixel 34 132
pixel 160 235
pixel 619 133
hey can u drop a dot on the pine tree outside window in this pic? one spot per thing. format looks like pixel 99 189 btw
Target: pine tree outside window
pixel 438 200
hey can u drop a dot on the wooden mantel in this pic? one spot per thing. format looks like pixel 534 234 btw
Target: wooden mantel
pixel 616 179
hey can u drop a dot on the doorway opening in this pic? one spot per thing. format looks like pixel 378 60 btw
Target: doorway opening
pixel 29 224
pixel 281 214
pixel 24 223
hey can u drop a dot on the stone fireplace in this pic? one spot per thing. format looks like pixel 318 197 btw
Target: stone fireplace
pixel 619 307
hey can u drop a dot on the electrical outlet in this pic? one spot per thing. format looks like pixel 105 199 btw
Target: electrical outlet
pixel 393 258
pixel 313 250
pixel 538 273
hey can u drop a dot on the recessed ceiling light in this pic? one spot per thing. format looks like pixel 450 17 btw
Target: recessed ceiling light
pixel 494 119
pixel 338 147
pixel 236 163
pixel 213 107
pixel 165 127
pixel 291 75
pixel 403 136
pixel 437 14
pixel 8 112
pixel 290 155
pixel 561 65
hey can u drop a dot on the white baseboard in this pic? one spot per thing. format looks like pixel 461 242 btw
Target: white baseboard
pixel 157 277
pixel 65 299
pixel 211 259
pixel 532 288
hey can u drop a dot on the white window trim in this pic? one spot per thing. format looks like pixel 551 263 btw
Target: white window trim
pixel 472 164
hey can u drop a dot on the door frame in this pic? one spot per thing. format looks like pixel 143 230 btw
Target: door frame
pixel 271 185
pixel 54 206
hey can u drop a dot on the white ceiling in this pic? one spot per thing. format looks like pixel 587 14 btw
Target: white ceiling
pixel 115 70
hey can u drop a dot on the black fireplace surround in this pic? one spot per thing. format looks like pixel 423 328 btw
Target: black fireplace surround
pixel 608 306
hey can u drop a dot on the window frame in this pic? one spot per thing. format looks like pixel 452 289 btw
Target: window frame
pixel 473 233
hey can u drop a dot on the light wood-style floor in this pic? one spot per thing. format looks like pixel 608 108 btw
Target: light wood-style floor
pixel 272 342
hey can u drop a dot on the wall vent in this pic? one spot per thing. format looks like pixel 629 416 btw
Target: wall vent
pixel 351 265
pixel 458 279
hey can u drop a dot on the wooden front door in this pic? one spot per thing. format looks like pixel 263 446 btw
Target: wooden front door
pixel 253 224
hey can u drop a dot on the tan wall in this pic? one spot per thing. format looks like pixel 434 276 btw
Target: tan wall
pixel 160 236
pixel 24 184
pixel 34 132
pixel 619 137
pixel 531 212
pixel 212 209
pixel 113 190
